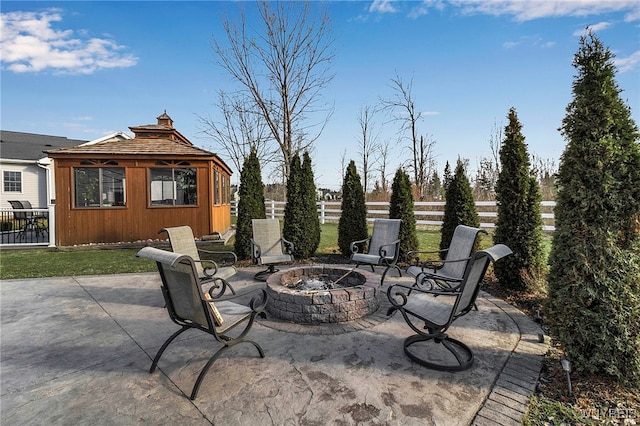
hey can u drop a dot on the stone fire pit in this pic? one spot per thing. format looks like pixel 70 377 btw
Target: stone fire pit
pixel 357 298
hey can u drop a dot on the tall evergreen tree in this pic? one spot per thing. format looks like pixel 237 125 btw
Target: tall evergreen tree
pixel 594 293
pixel 301 223
pixel 401 207
pixel 292 228
pixel 446 180
pixel 435 186
pixel 250 205
pixel 352 225
pixel 519 224
pixel 309 196
pixel 460 208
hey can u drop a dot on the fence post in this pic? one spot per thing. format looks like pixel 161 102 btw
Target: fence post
pixel 322 212
pixel 52 225
pixel 273 209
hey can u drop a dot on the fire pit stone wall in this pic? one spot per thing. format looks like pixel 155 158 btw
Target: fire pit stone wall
pixel 358 299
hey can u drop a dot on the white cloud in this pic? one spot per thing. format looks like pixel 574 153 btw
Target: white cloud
pixel 534 41
pixel 29 43
pixel 535 9
pixel 629 63
pixel 595 28
pixel 382 6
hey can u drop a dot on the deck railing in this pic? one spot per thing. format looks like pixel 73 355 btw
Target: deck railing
pixel 27 227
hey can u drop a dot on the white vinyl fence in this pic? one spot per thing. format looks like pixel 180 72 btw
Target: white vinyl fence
pixel 427 213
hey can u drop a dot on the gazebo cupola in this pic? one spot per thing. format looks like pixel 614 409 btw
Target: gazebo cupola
pixel 163 130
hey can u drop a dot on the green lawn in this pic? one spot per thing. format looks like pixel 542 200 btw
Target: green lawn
pixel 33 263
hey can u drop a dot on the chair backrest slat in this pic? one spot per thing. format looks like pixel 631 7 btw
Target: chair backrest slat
pixel 266 234
pixel 182 241
pixel 462 242
pixel 474 274
pixel 17 205
pixel 385 231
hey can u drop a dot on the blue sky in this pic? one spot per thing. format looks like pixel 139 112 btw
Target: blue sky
pixel 85 69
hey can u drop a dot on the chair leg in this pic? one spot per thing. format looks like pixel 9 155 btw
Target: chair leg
pixel 384 274
pixel 461 352
pixel 205 369
pixel 262 275
pixel 154 364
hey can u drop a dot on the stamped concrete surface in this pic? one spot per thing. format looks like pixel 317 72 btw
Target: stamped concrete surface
pixel 76 350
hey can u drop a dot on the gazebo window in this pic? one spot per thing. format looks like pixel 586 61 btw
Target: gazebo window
pixel 173 187
pixel 216 187
pixel 99 187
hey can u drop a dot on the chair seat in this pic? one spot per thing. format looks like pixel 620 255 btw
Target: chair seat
pixel 266 260
pixel 414 271
pixel 367 258
pixel 438 309
pixel 232 314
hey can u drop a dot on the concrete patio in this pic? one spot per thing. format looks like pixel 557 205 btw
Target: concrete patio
pixel 76 350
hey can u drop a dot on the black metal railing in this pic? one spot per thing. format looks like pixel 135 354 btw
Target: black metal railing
pixel 24 226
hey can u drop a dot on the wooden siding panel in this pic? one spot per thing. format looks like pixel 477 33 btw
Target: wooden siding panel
pixel 137 220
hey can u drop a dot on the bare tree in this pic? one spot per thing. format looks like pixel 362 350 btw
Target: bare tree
pixel 282 67
pixel 402 109
pixel 384 151
pixel 368 143
pixel 495 142
pixel 238 131
pixel 343 162
pixel 489 168
pixel 545 170
pixel 426 164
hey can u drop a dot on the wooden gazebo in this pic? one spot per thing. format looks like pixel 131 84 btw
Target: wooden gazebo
pixel 126 190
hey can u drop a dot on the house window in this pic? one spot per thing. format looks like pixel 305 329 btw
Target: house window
pixel 12 181
pixel 173 187
pixel 99 187
pixel 216 187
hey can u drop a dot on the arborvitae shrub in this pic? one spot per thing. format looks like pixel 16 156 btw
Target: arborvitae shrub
pixel 460 208
pixel 301 223
pixel 309 198
pixel 250 205
pixel 352 225
pixel 292 228
pixel 519 225
pixel 401 207
pixel 593 304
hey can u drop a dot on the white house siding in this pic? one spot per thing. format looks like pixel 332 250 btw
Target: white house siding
pixel 34 184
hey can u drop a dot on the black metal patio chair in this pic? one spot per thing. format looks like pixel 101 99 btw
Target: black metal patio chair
pixel 384 246
pixel 268 247
pixel 28 221
pixel 190 308
pixel 446 273
pixel 215 270
pixel 430 317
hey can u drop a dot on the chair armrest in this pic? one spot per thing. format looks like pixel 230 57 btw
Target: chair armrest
pixel 383 252
pixel 437 264
pixel 354 245
pixel 209 267
pixel 227 258
pixel 411 255
pixel 256 252
pixel 404 295
pixel 287 246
